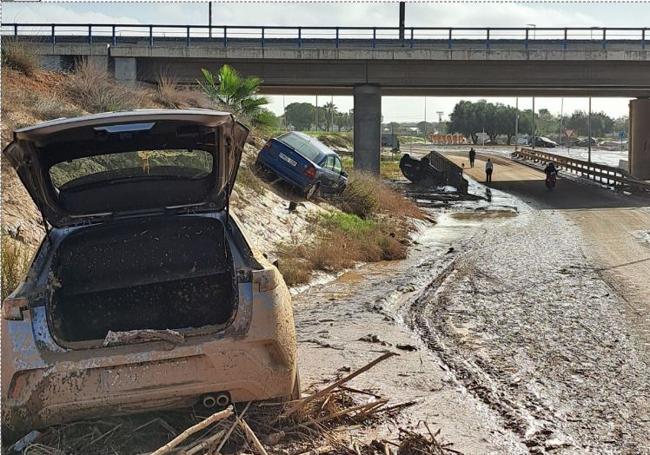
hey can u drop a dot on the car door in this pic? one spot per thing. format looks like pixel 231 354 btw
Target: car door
pixel 329 180
pixel 337 169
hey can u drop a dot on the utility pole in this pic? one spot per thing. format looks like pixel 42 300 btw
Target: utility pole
pixel 516 122
pixel 589 133
pixel 534 129
pixel 284 109
pixel 316 113
pixel 402 13
pixel 332 113
pixel 210 19
pixel 425 119
pixel 561 115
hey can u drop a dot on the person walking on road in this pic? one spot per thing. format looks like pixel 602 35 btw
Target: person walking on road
pixel 472 157
pixel 489 167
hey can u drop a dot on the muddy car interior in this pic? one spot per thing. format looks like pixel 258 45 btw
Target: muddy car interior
pixel 147 274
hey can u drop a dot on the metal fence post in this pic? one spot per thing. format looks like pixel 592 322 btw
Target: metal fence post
pixel 15 29
pixel 225 37
pixel 643 38
pixel 412 38
pixel 337 37
pixel 53 35
pixel 151 36
pixel 90 34
pixel 566 36
pixel 262 36
pixel 299 36
pixel 187 36
pixel 487 39
pixel 113 36
pixel 604 38
pixel 449 42
pixel 526 40
pixel 374 37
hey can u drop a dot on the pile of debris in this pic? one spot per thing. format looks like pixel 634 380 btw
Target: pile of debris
pixel 320 424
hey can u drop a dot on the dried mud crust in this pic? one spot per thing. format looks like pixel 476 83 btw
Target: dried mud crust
pixel 525 321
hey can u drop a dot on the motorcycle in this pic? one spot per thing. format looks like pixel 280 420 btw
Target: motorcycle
pixel 551 178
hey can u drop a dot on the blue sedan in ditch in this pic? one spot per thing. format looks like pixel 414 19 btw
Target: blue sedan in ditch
pixel 305 163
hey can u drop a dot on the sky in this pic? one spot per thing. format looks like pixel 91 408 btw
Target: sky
pixel 400 109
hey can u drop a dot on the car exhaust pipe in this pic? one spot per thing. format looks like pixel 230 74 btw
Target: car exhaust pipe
pixel 209 401
pixel 223 400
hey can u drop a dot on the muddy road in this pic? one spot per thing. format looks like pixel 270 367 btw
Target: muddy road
pixel 529 332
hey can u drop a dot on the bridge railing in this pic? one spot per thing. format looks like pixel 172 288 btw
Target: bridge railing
pixel 335 37
pixel 610 176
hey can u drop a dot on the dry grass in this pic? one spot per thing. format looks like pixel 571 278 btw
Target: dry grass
pixel 19 56
pixel 94 90
pixel 15 263
pixel 341 241
pixel 246 178
pixel 367 195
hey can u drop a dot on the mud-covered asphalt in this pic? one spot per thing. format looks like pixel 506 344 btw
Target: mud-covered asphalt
pixel 538 322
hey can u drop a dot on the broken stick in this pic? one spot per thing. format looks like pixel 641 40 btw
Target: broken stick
pixel 193 429
pixel 304 401
pixel 252 438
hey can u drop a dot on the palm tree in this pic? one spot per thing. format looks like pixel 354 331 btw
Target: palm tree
pixel 236 92
pixel 331 111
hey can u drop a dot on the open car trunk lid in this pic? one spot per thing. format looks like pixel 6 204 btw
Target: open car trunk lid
pixel 98 166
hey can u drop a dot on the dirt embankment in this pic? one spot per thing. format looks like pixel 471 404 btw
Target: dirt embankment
pixel 27 100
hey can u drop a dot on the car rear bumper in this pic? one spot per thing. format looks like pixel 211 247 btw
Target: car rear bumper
pixel 281 171
pixel 42 390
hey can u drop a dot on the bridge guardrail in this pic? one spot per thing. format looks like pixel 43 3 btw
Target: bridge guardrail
pixel 371 37
pixel 610 176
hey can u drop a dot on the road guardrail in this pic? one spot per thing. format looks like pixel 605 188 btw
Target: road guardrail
pixel 609 176
pixel 561 38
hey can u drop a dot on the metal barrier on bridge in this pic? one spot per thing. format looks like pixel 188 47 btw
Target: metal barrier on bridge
pixel 610 176
pixel 335 37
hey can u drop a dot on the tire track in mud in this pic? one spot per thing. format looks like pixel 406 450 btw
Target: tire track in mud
pixel 579 386
pixel 425 318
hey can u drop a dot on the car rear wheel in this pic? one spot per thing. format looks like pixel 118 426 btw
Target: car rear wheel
pixel 312 191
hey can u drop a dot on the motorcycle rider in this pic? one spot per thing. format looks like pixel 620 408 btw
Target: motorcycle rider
pixel 550 168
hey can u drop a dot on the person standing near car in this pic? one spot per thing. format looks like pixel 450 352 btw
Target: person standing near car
pixel 472 157
pixel 489 167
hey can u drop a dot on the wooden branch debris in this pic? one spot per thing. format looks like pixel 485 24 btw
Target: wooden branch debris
pixel 252 438
pixel 301 403
pixel 193 429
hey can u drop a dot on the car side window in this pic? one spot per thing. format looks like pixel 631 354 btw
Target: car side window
pixel 337 165
pixel 329 163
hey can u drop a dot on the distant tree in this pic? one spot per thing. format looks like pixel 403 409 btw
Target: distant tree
pixel 300 115
pixel 330 114
pixel 620 124
pixel 424 127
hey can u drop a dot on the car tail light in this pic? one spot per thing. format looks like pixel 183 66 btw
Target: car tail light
pixel 266 279
pixel 13 307
pixel 310 172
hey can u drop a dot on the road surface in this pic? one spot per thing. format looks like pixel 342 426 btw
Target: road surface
pixel 616 229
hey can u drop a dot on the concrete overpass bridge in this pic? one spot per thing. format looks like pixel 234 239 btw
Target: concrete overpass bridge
pixel 368 62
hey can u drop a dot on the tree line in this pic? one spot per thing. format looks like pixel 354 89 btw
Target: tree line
pixel 305 116
pixel 496 119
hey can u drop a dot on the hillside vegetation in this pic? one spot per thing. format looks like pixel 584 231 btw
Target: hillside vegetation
pixel 369 217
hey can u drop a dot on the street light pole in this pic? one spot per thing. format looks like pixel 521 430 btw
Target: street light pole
pixel 589 133
pixel 561 115
pixel 210 19
pixel 516 122
pixel 534 126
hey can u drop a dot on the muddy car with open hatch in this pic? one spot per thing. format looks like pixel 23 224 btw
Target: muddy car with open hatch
pixel 144 293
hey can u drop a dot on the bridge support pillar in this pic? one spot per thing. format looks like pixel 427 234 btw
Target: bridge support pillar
pixel 51 62
pixel 639 142
pixel 367 127
pixel 126 69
